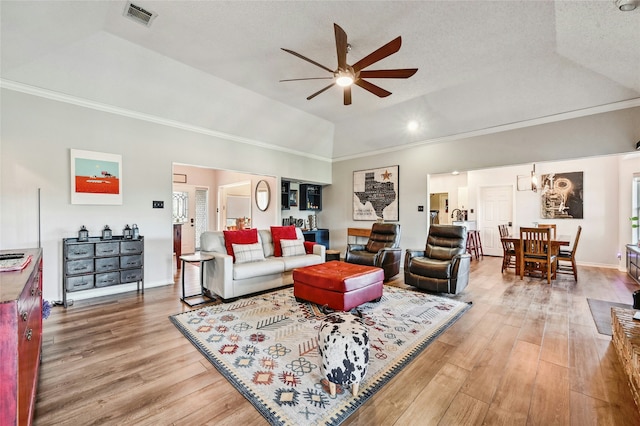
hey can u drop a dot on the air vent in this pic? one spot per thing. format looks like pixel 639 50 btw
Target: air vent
pixel 139 14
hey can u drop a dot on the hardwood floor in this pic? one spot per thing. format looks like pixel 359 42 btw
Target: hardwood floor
pixel 526 353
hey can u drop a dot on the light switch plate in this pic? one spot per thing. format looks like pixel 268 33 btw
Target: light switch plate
pixel 158 204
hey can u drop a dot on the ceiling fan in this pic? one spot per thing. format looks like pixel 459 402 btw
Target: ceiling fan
pixel 346 75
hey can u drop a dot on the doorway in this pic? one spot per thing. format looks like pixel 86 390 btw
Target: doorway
pixel 235 205
pixel 495 208
pixel 439 208
pixel 635 208
pixel 191 209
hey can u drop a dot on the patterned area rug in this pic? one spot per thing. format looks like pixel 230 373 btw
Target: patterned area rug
pixel 601 313
pixel 267 347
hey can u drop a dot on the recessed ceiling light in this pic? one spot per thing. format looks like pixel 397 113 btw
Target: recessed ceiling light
pixel 412 126
pixel 627 5
pixel 455 172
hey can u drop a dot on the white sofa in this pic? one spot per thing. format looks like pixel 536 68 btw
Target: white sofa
pixel 230 280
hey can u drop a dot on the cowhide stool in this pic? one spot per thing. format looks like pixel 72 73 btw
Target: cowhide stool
pixel 344 347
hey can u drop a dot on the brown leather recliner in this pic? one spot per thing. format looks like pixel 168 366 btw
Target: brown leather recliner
pixel 382 250
pixel 443 266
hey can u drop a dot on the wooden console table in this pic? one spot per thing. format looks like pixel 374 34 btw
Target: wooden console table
pixel 177 242
pixel 626 340
pixel 362 233
pixel 358 232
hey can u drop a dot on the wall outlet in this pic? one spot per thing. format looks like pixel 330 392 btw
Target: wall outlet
pixel 158 204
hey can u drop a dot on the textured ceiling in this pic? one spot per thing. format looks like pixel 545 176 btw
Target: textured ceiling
pixel 482 64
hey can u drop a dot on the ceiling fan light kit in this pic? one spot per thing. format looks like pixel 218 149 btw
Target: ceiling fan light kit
pixel 344 78
pixel 347 75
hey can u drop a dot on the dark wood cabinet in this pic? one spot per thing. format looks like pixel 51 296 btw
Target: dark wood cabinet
pixel 285 188
pixel 310 197
pixel 100 263
pixel 633 262
pixel 320 236
pixel 20 339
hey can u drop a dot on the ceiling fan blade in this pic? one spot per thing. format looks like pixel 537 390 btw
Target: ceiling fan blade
pixel 341 46
pixel 320 91
pixel 310 78
pixel 307 59
pixel 347 95
pixel 376 90
pixel 400 73
pixel 388 49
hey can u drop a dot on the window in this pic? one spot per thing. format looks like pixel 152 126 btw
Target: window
pixel 180 206
pixel 201 214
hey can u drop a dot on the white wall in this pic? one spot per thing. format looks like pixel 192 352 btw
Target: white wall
pixel 602 134
pixel 598 242
pixel 36 135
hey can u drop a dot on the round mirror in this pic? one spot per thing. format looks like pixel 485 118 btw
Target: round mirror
pixel 263 195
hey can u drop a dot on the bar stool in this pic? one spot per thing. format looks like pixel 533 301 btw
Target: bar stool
pixel 474 244
pixel 472 249
pixel 479 244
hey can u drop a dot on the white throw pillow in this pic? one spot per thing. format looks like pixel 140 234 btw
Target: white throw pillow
pixel 292 248
pixel 246 253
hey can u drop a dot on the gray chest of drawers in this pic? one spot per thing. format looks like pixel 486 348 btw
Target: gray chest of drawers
pixel 100 263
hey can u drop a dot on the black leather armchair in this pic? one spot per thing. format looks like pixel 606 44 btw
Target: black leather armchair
pixel 443 266
pixel 382 250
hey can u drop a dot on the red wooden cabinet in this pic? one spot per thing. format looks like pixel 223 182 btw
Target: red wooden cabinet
pixel 20 339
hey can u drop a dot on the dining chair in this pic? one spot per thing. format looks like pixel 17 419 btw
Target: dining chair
pixel 550 226
pixel 508 255
pixel 570 257
pixel 535 252
pixel 503 230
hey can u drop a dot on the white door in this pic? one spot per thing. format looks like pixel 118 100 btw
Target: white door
pixel 495 208
pixel 185 196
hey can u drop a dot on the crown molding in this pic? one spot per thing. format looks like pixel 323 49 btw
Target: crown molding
pixel 98 106
pixel 600 109
pixel 85 103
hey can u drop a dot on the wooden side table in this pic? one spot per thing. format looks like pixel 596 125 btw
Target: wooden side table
pixel 204 296
pixel 332 255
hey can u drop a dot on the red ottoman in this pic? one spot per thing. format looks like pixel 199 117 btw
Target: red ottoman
pixel 340 285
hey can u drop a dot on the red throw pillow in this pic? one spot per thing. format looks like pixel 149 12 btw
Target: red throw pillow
pixel 282 233
pixel 308 247
pixel 243 236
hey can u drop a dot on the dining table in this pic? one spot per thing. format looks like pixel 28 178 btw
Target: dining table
pixel 555 243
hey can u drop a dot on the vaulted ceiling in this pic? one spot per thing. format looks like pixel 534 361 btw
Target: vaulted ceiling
pixel 481 64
